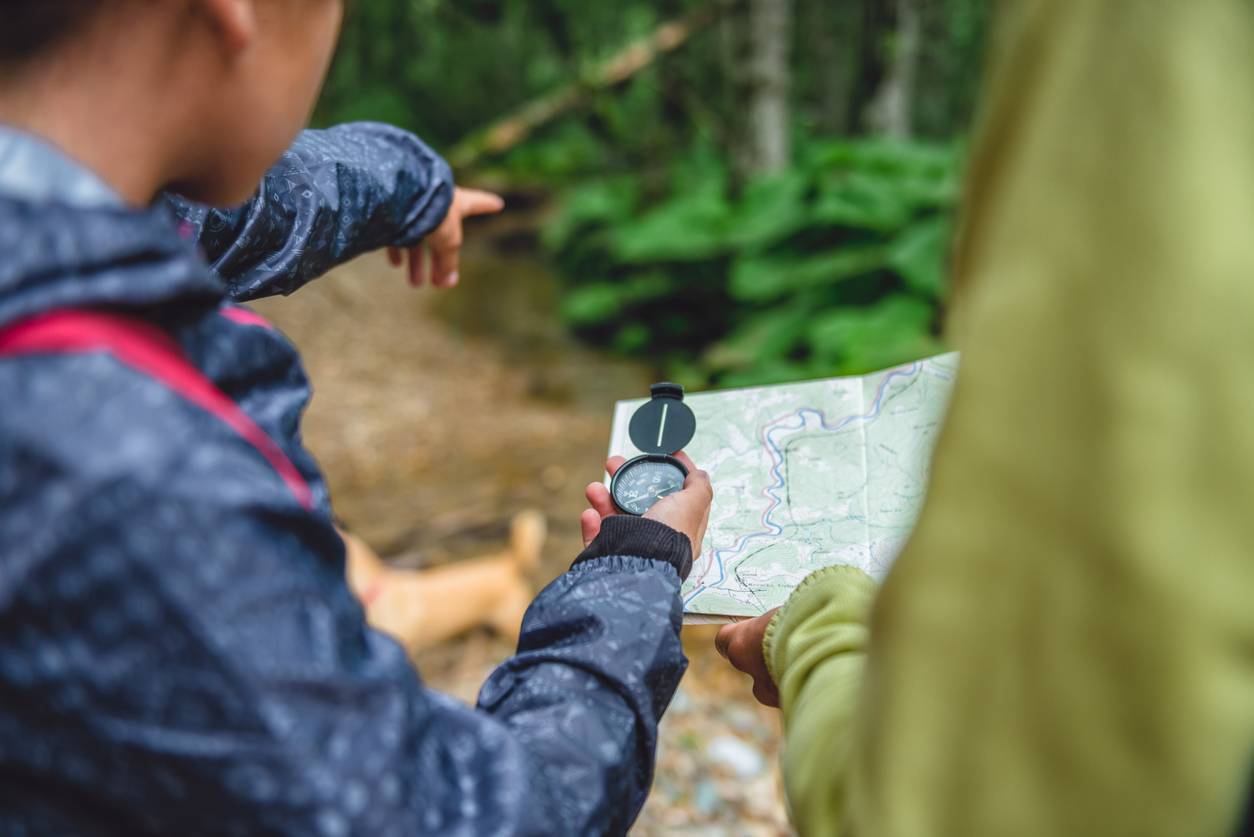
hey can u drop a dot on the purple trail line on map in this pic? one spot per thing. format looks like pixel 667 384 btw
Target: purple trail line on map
pixel 772 529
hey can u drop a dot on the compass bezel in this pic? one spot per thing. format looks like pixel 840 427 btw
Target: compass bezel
pixel 626 466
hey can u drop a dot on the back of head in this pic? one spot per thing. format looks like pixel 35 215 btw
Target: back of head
pixel 34 26
pixel 197 96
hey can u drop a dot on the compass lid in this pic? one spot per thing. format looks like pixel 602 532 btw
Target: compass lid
pixel 664 424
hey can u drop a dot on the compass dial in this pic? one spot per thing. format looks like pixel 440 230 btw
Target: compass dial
pixel 643 481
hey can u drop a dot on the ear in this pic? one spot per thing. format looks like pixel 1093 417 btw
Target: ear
pixel 234 20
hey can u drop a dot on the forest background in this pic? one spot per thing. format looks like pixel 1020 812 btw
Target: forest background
pixel 726 192
pixel 736 192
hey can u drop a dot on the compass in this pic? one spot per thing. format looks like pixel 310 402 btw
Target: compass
pixel 660 428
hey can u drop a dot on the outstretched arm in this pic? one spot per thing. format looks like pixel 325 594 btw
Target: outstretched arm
pixel 334 195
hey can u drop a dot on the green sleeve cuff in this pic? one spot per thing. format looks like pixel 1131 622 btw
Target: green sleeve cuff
pixel 817 590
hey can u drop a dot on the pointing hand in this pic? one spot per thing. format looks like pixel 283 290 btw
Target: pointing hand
pixel 445 242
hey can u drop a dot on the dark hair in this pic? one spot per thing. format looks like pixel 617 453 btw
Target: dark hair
pixel 31 27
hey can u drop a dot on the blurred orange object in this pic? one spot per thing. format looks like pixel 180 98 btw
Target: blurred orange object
pixel 422 608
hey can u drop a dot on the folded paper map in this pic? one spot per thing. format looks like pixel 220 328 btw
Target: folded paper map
pixel 805 476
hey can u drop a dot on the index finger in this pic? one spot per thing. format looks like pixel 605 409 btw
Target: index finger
pixel 479 202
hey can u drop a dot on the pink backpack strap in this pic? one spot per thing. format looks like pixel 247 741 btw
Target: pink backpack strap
pixel 151 351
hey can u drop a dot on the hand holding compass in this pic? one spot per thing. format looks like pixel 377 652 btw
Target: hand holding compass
pixel 660 428
pixel 662 484
pixel 686 511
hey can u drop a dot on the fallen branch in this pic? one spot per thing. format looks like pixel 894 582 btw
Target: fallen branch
pixel 516 126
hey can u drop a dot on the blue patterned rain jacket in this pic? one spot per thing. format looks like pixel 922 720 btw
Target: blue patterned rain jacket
pixel 179 651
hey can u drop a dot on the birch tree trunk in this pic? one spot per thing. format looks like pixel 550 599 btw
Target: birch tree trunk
pixel 758 49
pixel 889 114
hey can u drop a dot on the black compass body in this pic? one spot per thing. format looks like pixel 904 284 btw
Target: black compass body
pixel 660 428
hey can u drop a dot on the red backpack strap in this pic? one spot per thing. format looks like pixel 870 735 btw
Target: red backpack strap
pixel 151 351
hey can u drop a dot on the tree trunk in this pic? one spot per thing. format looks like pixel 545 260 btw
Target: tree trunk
pixel 770 109
pixel 830 37
pixel 890 113
pixel 758 52
pixel 950 66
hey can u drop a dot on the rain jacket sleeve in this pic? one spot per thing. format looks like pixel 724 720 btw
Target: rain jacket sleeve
pixel 229 683
pixel 1064 645
pixel 334 195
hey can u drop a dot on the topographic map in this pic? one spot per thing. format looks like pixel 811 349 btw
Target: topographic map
pixel 807 475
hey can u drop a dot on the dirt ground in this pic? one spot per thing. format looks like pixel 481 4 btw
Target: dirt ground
pixel 439 415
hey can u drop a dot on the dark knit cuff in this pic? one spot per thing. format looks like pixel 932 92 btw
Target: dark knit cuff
pixel 637 536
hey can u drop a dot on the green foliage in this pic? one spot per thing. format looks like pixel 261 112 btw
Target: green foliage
pixel 836 266
pixel 446 69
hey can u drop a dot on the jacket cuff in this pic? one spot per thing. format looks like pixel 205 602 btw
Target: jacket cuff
pixel 431 193
pixel 625 535
pixel 848 585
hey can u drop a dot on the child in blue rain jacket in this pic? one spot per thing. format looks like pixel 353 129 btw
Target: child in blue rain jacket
pixel 179 651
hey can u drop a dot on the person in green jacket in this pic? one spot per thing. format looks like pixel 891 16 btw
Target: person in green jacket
pixel 1066 645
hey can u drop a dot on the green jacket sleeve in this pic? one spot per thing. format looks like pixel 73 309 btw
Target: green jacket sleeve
pixel 1064 645
pixel 816 649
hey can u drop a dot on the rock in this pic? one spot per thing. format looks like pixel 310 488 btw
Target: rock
pixel 744 720
pixel 707 798
pixel 681 703
pixel 742 759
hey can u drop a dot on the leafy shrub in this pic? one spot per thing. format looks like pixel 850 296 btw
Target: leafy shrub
pixel 836 266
